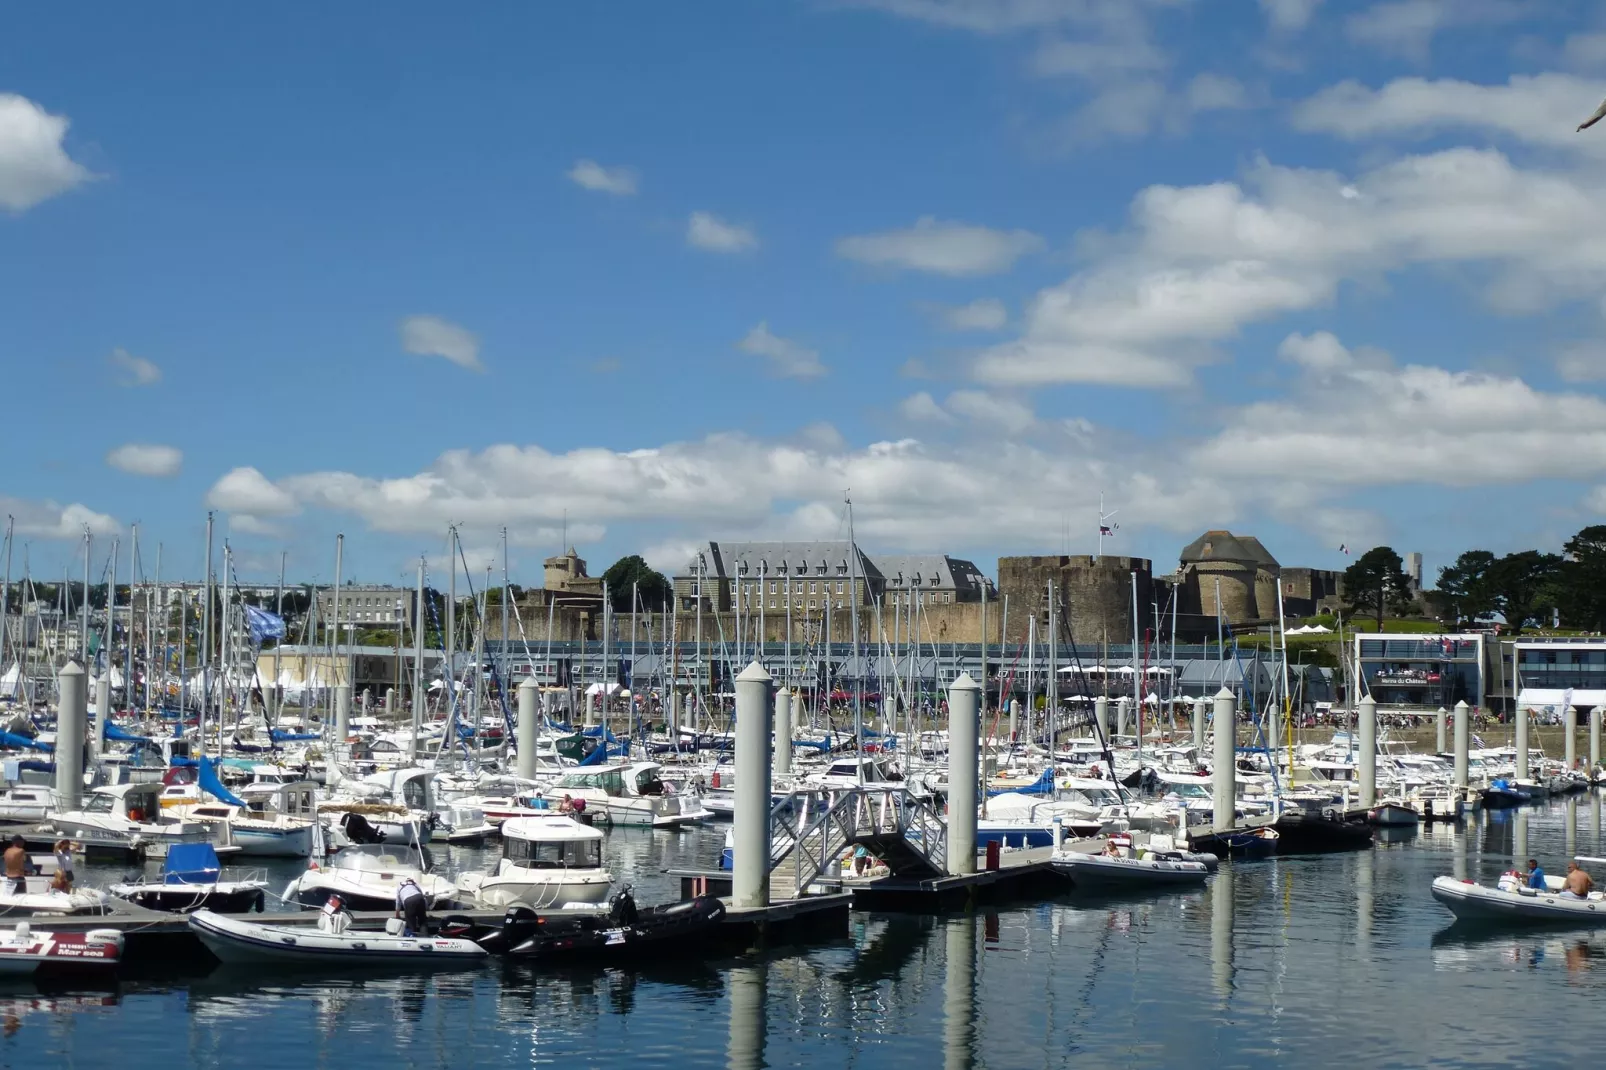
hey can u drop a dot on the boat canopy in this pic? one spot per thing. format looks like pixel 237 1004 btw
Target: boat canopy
pixel 191 863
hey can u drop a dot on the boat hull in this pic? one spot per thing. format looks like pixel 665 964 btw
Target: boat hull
pixel 226 898
pixel 273 842
pixel 59 953
pixel 1104 871
pixel 1392 815
pixel 1477 902
pixel 243 943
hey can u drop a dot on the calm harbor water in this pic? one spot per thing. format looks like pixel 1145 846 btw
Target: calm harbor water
pixel 1316 961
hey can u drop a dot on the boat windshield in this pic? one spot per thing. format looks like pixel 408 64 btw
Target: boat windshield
pixel 100 804
pixel 649 783
pixel 378 858
pixel 553 854
pixel 610 781
pixel 1187 791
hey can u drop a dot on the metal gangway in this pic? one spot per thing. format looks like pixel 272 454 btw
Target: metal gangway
pixel 809 831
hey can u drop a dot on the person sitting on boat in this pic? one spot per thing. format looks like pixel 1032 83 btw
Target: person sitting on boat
pixel 411 907
pixel 18 864
pixel 566 805
pixel 62 881
pixel 1578 884
pixel 1536 876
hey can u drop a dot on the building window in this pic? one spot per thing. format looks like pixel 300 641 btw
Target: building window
pixel 838 586
pixel 811 606
pixel 839 603
pixel 773 586
pixel 772 606
pixel 813 589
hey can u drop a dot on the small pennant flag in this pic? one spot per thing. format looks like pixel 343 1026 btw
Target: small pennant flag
pixel 1109 529
pixel 1343 549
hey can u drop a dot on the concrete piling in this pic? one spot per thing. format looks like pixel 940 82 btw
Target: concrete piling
pixel 1461 737
pixel 1522 743
pixel 1570 744
pixel 1014 719
pixel 750 877
pixel 1123 712
pixel 1439 718
pixel 783 731
pixel 1594 740
pixel 103 714
pixel 1101 714
pixel 1201 711
pixel 342 711
pixel 529 717
pixel 964 723
pixel 73 684
pixel 1224 773
pixel 1367 759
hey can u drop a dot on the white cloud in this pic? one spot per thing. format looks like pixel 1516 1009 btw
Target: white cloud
pixel 50 520
pixel 591 175
pixel 997 16
pixel 1215 92
pixel 707 231
pixel 1001 412
pixel 1200 263
pixel 984 314
pixel 1319 352
pixel 431 336
pixel 1407 27
pixel 1583 362
pixel 1585 51
pixel 246 490
pixel 136 371
pixel 1098 60
pixel 1542 109
pixel 923 408
pixel 1289 15
pixel 788 359
pixel 146 459
pixel 1361 425
pixel 941 248
pixel 33 164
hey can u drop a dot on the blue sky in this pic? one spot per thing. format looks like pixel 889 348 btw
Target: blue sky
pixel 1325 272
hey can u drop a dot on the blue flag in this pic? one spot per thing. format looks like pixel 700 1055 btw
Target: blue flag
pixel 263 625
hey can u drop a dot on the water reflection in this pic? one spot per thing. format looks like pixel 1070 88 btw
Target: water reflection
pixel 746 992
pixel 1221 917
pixel 959 994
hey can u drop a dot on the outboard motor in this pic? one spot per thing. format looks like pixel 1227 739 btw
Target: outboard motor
pixel 358 828
pixel 622 907
pixel 519 924
pixel 459 927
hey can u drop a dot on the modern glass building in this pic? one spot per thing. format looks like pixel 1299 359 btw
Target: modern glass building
pixel 1553 672
pixel 1422 671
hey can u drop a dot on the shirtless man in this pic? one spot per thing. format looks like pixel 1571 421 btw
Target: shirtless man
pixel 1578 883
pixel 16 859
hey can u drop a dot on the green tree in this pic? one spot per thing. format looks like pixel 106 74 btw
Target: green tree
pixel 651 587
pixel 1580 587
pixel 1466 585
pixel 1521 586
pixel 1376 584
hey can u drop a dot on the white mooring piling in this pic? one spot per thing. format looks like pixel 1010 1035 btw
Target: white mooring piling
pixel 783 731
pixel 1367 760
pixel 964 724
pixel 74 687
pixel 1461 739
pixel 1224 723
pixel 529 718
pixel 750 877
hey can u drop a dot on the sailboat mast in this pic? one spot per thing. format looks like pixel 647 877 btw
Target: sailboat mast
pixel 128 656
pixel 83 615
pixel 278 644
pixel 853 606
pixel 418 665
pixel 5 603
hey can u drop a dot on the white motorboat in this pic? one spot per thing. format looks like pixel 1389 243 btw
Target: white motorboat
pixel 1151 869
pixel 366 877
pixel 1392 814
pixel 27 804
pixel 410 789
pixel 38 897
pixel 632 794
pixel 461 822
pixel 245 943
pixel 1512 902
pixel 129 810
pixel 547 862
pixel 191 879
pixel 23 951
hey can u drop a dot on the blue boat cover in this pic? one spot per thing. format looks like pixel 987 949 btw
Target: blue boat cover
pixel 206 769
pixel 123 734
pixel 11 739
pixel 281 735
pixel 191 863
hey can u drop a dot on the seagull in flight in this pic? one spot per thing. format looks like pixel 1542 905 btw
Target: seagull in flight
pixel 1600 113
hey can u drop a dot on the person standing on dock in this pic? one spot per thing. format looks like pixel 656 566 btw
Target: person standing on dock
pixel 410 907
